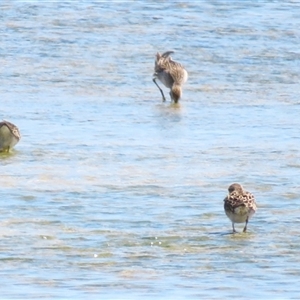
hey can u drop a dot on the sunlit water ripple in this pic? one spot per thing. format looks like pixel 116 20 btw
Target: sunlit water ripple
pixel 112 193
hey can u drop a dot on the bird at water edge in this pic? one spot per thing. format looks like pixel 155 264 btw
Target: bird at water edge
pixel 239 205
pixel 171 74
pixel 9 136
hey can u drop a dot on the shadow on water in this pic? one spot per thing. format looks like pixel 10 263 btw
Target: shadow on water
pixel 168 116
pixel 7 155
pixel 170 111
pixel 220 233
pixel 235 235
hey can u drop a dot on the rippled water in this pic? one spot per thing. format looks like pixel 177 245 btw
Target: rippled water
pixel 113 194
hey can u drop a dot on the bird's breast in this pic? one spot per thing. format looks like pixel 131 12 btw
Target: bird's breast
pixel 165 78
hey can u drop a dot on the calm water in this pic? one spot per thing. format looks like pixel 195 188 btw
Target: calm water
pixel 113 194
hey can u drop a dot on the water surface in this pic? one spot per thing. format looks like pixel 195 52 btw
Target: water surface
pixel 112 193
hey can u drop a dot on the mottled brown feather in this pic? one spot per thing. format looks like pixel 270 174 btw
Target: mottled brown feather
pixel 171 73
pixel 239 205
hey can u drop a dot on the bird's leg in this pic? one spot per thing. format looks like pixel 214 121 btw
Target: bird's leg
pixel 161 91
pixel 245 228
pixel 171 95
pixel 233 229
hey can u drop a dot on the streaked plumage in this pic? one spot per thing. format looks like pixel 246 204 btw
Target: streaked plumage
pixel 239 205
pixel 171 73
pixel 9 136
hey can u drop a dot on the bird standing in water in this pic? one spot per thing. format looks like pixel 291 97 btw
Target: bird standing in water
pixel 239 205
pixel 171 73
pixel 9 136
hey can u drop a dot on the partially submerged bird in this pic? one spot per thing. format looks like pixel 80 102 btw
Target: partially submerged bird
pixel 239 205
pixel 171 73
pixel 9 136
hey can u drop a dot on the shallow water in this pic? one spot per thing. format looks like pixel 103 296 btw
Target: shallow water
pixel 111 192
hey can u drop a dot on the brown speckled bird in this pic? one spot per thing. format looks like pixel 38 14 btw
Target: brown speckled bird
pixel 9 136
pixel 239 205
pixel 171 73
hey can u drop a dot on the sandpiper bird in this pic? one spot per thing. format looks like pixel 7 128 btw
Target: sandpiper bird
pixel 239 205
pixel 9 136
pixel 171 73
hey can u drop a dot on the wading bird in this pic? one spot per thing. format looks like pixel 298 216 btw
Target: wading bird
pixel 171 73
pixel 239 205
pixel 9 136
